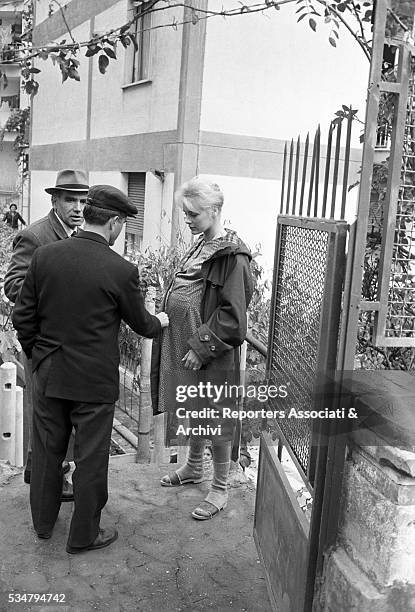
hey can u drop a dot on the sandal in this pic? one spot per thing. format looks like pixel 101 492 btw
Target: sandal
pixel 207 511
pixel 174 480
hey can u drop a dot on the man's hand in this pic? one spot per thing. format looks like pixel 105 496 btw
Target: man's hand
pixel 163 318
pixel 191 361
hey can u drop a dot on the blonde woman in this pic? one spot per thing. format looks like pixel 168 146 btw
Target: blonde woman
pixel 206 303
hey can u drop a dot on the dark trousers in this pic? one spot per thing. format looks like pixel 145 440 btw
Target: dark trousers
pixel 53 420
pixel 28 414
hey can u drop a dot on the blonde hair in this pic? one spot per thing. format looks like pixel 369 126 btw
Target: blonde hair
pixel 203 192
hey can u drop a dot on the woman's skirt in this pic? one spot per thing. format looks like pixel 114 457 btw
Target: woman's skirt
pixel 196 402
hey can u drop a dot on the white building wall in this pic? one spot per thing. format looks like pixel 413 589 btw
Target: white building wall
pixel 60 109
pixel 251 207
pixel 158 211
pixel 115 110
pixel 42 9
pixel 266 75
pixel 144 107
pixel 167 208
pixel 40 200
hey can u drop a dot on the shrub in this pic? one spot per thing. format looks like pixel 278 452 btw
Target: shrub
pixel 9 345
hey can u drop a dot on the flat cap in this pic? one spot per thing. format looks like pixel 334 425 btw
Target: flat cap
pixel 111 198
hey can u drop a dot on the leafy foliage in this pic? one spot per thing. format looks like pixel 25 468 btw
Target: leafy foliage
pixel 157 268
pixel 18 121
pixel 340 13
pixel 368 355
pixel 9 345
pixel 260 302
pixel 337 15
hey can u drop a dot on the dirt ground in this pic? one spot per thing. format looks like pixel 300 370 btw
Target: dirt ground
pixel 163 561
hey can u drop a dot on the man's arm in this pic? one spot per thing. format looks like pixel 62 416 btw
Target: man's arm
pixel 24 245
pixel 24 315
pixel 134 312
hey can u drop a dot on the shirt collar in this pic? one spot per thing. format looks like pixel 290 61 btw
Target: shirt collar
pixel 69 230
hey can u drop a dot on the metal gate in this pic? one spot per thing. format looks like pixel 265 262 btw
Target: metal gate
pixel 313 330
pixel 308 276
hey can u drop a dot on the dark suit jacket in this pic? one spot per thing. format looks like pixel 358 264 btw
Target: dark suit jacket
pixel 41 232
pixel 13 220
pixel 74 296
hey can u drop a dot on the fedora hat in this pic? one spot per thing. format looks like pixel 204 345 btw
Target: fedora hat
pixel 69 180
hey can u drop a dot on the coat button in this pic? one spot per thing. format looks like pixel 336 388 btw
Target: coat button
pixel 206 337
pixel 212 347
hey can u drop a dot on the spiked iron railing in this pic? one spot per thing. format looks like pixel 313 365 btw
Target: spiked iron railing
pixel 301 192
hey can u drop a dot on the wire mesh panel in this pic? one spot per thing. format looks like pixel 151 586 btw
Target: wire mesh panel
pixel 303 338
pixel 400 313
pixel 130 359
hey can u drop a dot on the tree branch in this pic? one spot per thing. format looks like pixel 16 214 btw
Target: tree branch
pixel 62 12
pixel 361 43
pixel 71 47
pixel 67 52
pixel 398 21
pixel 357 17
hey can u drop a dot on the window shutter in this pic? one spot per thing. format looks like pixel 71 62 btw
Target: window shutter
pixel 136 193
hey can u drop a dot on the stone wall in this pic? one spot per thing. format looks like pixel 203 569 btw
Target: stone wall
pixel 372 568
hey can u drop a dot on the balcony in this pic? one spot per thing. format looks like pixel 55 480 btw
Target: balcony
pixel 383 143
pixel 10 85
pixel 9 102
pixel 383 137
pixel 10 56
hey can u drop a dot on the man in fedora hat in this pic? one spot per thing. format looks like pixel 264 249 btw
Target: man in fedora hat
pixel 68 200
pixel 67 318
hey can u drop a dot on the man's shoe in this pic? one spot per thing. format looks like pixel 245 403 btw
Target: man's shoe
pixel 104 538
pixel 67 492
pixel 27 473
pixel 44 536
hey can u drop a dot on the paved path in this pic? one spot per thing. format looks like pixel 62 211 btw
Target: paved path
pixel 163 561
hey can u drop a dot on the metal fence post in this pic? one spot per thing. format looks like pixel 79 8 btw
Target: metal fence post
pixel 160 454
pixel 145 409
pixel 8 412
pixel 18 460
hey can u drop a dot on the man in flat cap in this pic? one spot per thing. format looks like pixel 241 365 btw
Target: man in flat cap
pixel 68 200
pixel 67 318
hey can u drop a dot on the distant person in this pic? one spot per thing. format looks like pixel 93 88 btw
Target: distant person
pixel 68 200
pixel 206 304
pixel 12 217
pixel 67 317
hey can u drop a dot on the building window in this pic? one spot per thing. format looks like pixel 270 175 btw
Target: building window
pixel 140 53
pixel 135 225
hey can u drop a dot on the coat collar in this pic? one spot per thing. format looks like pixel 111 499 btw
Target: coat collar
pixel 57 227
pixel 232 244
pixel 91 236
